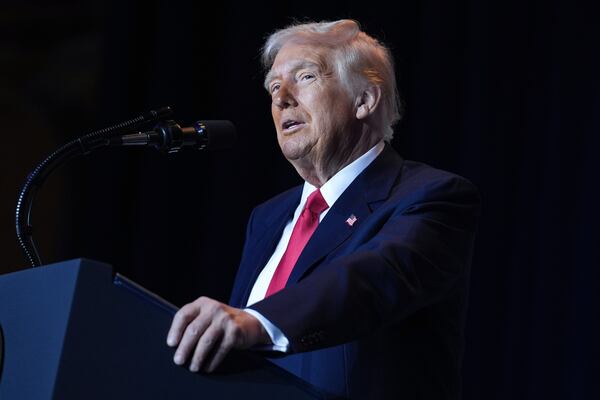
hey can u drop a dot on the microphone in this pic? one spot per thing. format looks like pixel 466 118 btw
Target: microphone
pixel 170 137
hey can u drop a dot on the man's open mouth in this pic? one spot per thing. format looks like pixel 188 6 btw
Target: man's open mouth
pixel 291 125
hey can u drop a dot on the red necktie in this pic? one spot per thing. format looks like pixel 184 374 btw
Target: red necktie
pixel 303 230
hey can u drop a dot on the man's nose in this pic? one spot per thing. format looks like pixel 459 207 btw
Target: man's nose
pixel 284 98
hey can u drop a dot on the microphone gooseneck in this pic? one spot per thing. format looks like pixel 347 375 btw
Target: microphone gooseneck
pixel 167 136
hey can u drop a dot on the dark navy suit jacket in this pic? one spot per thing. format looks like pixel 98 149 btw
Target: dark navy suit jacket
pixel 374 310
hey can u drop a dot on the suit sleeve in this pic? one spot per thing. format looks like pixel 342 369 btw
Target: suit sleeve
pixel 237 290
pixel 411 260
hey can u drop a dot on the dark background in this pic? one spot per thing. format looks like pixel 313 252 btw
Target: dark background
pixel 503 93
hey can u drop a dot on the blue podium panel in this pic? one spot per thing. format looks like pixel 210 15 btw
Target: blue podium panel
pixel 73 331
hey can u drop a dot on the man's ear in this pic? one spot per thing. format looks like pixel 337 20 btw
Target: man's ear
pixel 368 101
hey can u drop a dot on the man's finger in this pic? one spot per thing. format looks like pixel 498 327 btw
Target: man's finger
pixel 211 338
pixel 225 347
pixel 180 322
pixel 191 336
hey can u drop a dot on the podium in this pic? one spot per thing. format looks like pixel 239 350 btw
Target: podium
pixel 73 330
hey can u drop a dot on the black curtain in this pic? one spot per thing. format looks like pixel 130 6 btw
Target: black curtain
pixel 503 93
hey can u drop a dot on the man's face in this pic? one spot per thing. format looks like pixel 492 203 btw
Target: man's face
pixel 313 113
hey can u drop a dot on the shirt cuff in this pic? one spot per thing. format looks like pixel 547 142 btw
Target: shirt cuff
pixel 280 342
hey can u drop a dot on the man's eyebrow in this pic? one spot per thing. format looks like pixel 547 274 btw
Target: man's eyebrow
pixel 271 75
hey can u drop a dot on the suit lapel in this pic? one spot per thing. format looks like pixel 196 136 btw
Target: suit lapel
pixel 351 210
pixel 270 234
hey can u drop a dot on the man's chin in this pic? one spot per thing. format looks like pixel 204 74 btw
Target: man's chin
pixel 294 151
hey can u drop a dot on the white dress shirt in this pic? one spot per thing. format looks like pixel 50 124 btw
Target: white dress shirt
pixel 331 191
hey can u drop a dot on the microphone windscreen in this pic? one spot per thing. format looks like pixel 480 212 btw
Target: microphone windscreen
pixel 221 134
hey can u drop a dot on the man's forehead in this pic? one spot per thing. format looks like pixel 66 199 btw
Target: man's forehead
pixel 294 57
pixel 293 65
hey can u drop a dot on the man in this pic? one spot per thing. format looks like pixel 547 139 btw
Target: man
pixel 358 277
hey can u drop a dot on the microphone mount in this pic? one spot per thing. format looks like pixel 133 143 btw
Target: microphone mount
pixel 168 136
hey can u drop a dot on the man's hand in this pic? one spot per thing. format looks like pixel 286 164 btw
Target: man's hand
pixel 206 330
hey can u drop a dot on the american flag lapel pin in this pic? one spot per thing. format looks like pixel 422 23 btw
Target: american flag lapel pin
pixel 351 220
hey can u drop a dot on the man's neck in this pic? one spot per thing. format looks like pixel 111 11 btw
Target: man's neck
pixel 337 184
pixel 317 173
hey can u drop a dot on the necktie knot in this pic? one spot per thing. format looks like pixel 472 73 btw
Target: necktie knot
pixel 315 203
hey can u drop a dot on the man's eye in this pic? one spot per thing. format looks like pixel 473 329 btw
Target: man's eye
pixel 275 88
pixel 305 77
